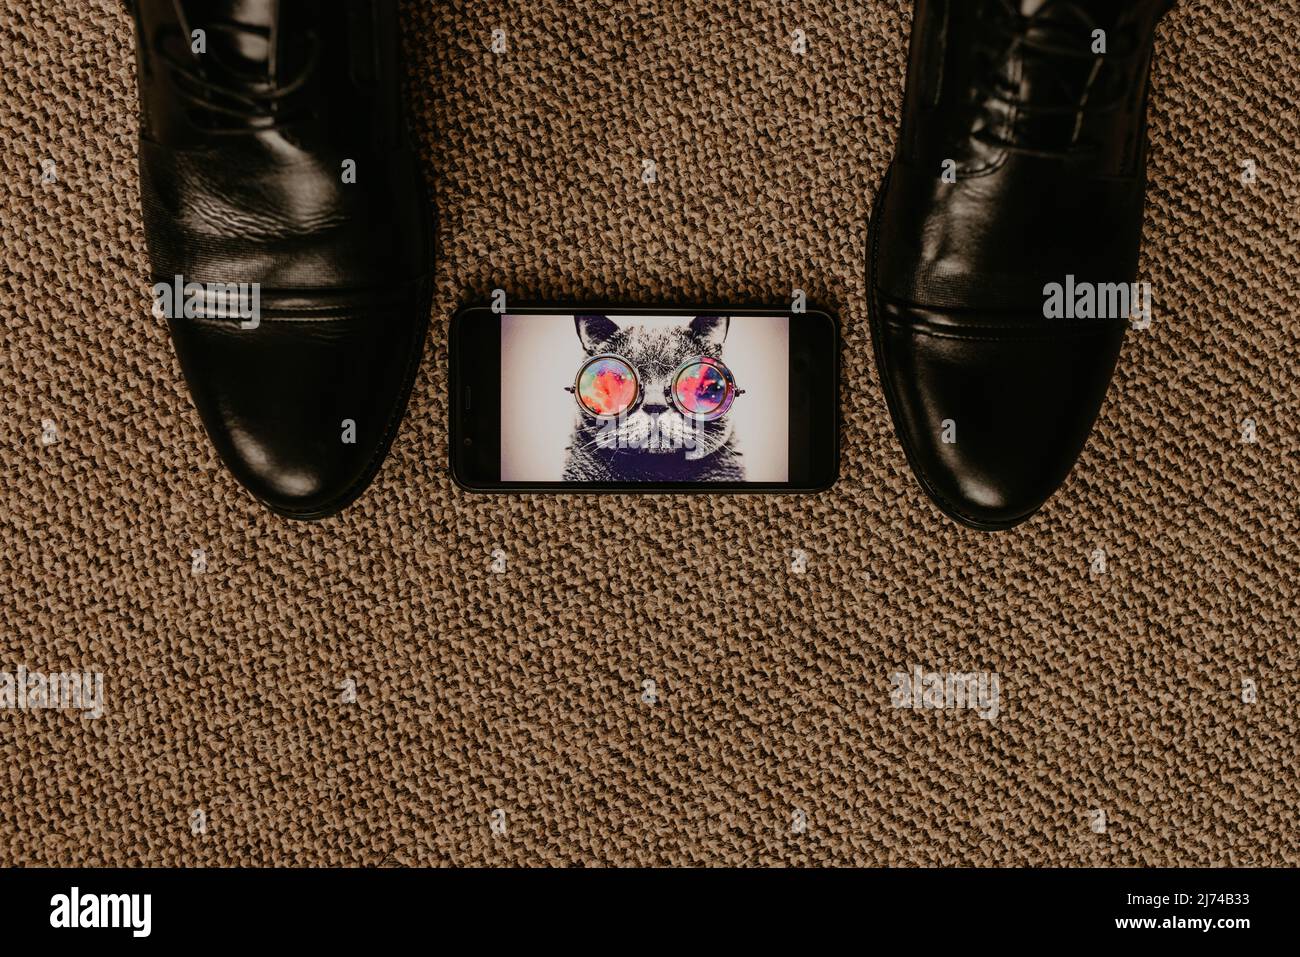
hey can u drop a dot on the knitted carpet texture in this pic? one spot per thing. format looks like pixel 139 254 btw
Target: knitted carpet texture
pixel 369 691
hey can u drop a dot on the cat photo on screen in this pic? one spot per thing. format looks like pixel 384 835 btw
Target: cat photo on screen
pixel 649 409
pixel 644 398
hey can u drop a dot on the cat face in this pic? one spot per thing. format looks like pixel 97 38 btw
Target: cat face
pixel 656 352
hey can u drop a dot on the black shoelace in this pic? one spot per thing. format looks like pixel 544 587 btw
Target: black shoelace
pixel 228 100
pixel 1045 41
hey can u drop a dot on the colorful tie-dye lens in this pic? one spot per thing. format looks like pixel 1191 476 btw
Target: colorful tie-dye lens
pixel 703 389
pixel 607 386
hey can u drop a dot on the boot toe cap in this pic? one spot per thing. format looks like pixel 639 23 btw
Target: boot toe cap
pixel 302 411
pixel 993 417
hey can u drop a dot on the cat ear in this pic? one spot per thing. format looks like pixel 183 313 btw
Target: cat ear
pixel 595 331
pixel 710 330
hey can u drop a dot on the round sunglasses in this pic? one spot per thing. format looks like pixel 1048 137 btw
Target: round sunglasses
pixel 608 386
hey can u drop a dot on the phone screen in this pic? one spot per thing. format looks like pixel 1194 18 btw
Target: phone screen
pixel 652 398
pixel 625 399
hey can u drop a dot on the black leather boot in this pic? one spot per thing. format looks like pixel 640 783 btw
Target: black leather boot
pixel 1020 172
pixel 277 183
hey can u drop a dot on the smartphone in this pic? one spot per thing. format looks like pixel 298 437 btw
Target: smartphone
pixel 641 399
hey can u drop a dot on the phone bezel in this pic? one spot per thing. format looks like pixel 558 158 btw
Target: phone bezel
pixel 474 356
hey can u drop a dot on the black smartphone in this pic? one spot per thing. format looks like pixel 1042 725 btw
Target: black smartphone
pixel 644 399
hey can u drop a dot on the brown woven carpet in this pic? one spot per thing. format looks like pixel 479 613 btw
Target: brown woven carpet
pixel 228 734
